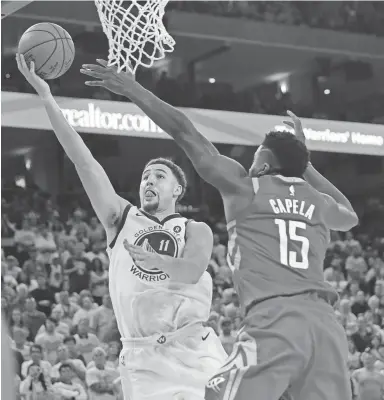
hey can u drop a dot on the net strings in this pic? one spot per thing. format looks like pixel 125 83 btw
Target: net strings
pixel 135 32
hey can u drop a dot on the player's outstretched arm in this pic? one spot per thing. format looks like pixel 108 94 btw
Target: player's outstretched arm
pixel 222 172
pixel 106 203
pixel 187 269
pixel 344 214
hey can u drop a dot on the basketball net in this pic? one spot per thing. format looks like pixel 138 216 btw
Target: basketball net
pixel 135 32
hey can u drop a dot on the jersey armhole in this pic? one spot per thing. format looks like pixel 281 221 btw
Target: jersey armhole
pixel 186 224
pixel 121 224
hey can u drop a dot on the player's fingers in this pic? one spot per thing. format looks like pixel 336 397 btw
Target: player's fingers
pixel 94 67
pixel 23 63
pixel 102 62
pixel 289 123
pixel 95 83
pixel 94 74
pixel 291 114
pixel 32 68
pixel 18 63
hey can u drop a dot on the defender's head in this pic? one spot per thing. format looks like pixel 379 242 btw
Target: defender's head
pixel 163 183
pixel 280 153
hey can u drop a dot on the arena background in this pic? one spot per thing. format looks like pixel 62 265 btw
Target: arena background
pixel 236 69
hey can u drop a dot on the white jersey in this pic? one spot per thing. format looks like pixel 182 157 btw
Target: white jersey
pixel 146 302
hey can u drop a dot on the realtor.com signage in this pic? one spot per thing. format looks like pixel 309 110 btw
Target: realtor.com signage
pixel 119 118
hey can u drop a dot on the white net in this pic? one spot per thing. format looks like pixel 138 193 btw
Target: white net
pixel 135 32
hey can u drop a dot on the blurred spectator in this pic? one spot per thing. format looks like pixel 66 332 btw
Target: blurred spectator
pixel 33 318
pixel 62 326
pixel 98 280
pixel 355 264
pixel 44 243
pixel 98 252
pixel 360 305
pixel 36 359
pixel 85 310
pixel 43 296
pixel 96 232
pixel 65 388
pixel 50 340
pixel 19 336
pixel 36 385
pixel 101 318
pixel 78 268
pixel 66 307
pixel 55 274
pixel 73 352
pixel 370 382
pixel 100 378
pixel 363 336
pixel 346 317
pixel 227 335
pixel 77 366
pixel 85 341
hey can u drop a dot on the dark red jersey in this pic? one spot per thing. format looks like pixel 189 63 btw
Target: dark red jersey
pixel 277 245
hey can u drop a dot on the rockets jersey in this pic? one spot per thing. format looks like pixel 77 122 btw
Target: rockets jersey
pixel 147 302
pixel 277 245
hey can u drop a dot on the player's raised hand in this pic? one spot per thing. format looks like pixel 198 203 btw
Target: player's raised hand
pixel 144 259
pixel 295 124
pixel 42 88
pixel 108 77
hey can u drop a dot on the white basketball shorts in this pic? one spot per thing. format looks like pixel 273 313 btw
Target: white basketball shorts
pixel 170 367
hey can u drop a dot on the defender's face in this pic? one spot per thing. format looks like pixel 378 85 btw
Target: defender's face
pixel 159 188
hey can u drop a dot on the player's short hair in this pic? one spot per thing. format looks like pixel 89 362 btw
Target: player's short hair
pixel 292 155
pixel 176 170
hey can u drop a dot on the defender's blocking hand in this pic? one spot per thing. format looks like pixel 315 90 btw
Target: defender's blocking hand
pixel 107 77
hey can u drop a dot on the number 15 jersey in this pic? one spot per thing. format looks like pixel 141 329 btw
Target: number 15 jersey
pixel 277 245
pixel 147 302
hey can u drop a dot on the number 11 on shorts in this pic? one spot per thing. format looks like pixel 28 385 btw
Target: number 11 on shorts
pixel 287 234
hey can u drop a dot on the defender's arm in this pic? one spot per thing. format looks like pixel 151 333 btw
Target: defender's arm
pixel 340 214
pixel 337 216
pixel 220 171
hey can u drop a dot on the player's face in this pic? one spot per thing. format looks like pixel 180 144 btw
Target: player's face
pixel 261 162
pixel 159 188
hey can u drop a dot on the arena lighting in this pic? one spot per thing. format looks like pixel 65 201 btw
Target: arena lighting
pixel 211 80
pixel 28 163
pixel 327 91
pixel 284 87
pixel 20 181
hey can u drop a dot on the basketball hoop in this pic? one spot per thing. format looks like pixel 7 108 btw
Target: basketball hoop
pixel 135 32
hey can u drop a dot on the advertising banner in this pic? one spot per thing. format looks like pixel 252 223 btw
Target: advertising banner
pixel 20 110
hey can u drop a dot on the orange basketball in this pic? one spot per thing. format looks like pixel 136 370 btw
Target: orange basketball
pixel 50 47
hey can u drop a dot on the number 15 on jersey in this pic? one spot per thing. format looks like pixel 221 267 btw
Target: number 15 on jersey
pixel 288 234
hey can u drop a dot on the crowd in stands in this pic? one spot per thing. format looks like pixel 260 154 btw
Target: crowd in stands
pixel 62 328
pixel 351 16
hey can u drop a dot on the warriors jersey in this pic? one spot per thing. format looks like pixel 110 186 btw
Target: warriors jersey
pixel 277 245
pixel 148 302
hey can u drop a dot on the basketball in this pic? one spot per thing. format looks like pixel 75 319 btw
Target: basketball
pixel 50 47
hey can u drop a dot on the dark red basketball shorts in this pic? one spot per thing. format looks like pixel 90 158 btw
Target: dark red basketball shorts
pixel 291 346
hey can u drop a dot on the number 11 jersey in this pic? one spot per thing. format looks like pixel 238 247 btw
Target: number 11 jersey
pixel 146 301
pixel 277 244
